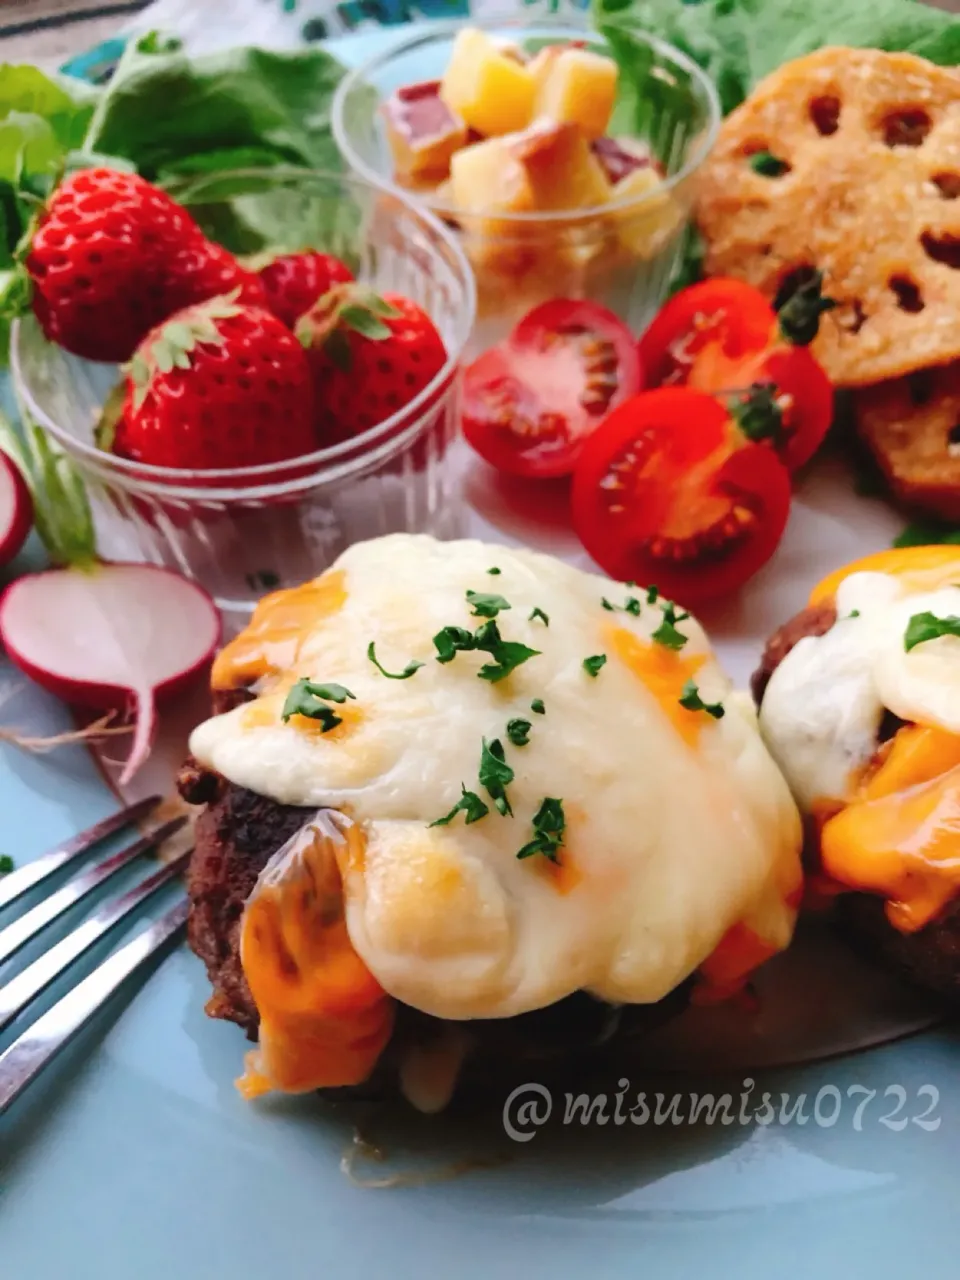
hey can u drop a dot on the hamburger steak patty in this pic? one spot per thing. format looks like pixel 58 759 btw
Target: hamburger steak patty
pixel 236 835
pixel 931 956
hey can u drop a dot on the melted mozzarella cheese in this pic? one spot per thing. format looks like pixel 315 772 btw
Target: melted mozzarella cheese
pixel 823 707
pixel 678 826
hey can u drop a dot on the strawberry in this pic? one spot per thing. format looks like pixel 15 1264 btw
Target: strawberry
pixel 216 385
pixel 113 255
pixel 369 355
pixel 295 281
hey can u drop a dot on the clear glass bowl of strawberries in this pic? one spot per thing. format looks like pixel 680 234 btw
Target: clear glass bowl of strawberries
pixel 245 416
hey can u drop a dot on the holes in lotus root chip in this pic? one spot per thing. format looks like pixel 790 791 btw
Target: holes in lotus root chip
pixel 948 184
pixel 908 295
pixel 850 316
pixel 825 114
pixel 791 282
pixel 906 128
pixel 920 387
pixel 943 248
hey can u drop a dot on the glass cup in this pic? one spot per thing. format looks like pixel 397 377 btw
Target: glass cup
pixel 620 254
pixel 242 531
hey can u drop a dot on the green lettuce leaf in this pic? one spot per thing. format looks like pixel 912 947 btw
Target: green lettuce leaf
pixel 738 42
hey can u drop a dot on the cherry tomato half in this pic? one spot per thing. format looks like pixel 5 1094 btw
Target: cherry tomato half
pixel 530 402
pixel 731 317
pixel 721 336
pixel 665 493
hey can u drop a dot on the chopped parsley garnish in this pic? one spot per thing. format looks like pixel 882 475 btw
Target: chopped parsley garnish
pixel 308 698
pixel 518 731
pixel 537 706
pixel 495 775
pixel 451 641
pixel 592 665
pixel 470 804
pixel 506 654
pixel 6 864
pixel 690 698
pixel 486 604
pixel 538 613
pixel 493 570
pixel 854 613
pixel 412 667
pixel 667 633
pixel 631 605
pixel 653 595
pixel 548 828
pixel 927 626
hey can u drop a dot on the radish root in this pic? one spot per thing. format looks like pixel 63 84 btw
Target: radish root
pixel 101 728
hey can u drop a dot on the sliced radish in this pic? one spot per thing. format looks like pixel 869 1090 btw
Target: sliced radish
pixel 117 636
pixel 16 509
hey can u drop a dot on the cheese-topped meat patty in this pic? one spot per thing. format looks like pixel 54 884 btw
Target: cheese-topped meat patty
pixel 531 781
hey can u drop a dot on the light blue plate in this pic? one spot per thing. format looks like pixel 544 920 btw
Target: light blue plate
pixel 134 1159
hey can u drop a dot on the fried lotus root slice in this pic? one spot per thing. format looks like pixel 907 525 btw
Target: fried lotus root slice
pixel 912 427
pixel 848 160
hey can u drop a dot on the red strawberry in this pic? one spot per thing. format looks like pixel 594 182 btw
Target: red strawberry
pixel 113 255
pixel 217 385
pixel 202 270
pixel 370 356
pixel 295 281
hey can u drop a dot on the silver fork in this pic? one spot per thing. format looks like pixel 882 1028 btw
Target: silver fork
pixel 26 1057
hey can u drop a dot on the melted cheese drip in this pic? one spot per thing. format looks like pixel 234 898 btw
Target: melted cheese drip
pixel 889 826
pixel 324 1019
pixel 678 826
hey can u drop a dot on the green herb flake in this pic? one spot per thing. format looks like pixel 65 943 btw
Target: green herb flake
pixel 518 731
pixel 631 605
pixel 653 595
pixel 486 605
pixel 537 706
pixel 6 864
pixel 309 698
pixel 493 570
pixel 469 804
pixel 592 665
pixel 495 775
pixel 927 626
pixel 690 698
pixel 411 669
pixel 610 608
pixel 667 633
pixel 538 613
pixel 453 640
pixel 854 613
pixel 549 824
pixel 507 654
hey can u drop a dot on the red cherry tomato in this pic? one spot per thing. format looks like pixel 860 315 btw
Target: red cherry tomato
pixel 664 493
pixel 530 402
pixel 721 336
pixel 728 316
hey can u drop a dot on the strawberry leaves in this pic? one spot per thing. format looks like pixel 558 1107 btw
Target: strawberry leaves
pixel 172 345
pixel 345 309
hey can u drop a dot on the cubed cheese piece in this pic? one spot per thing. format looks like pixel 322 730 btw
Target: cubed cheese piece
pixel 489 178
pixel 422 130
pixel 575 86
pixel 487 88
pixel 562 171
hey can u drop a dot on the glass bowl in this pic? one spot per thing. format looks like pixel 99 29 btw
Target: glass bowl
pixel 619 254
pixel 242 531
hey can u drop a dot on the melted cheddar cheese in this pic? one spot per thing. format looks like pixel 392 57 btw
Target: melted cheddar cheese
pixel 678 826
pixel 889 817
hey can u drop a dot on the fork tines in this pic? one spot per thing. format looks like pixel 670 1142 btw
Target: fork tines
pixel 22 1061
